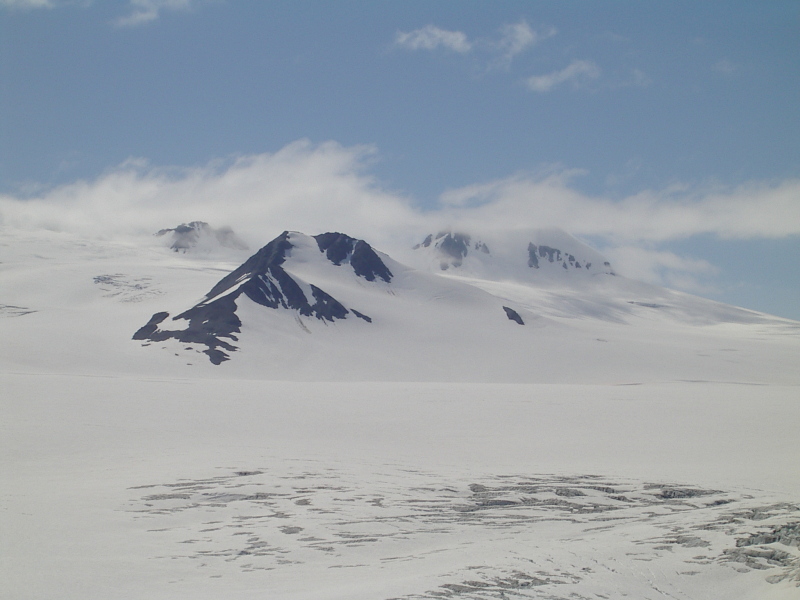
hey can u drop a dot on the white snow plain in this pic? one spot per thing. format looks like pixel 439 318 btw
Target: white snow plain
pixel 628 441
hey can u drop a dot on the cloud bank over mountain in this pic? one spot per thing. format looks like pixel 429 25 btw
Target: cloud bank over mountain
pixel 321 187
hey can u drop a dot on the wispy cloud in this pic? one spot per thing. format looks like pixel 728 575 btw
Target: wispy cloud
pixel 577 73
pixel 323 187
pixel 750 211
pixel 140 11
pixel 27 4
pixel 516 38
pixel 304 186
pixel 146 11
pixel 431 37
pixel 513 39
pixel 635 232
pixel 664 268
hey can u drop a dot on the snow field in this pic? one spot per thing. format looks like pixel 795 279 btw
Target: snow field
pixel 364 490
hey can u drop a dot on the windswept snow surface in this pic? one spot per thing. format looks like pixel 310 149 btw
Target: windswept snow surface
pixel 626 441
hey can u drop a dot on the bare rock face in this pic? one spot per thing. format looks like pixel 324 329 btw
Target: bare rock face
pixel 340 248
pixel 513 315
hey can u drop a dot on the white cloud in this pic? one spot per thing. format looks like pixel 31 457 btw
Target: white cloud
pixel 750 211
pixel 578 72
pixel 517 37
pixel 632 231
pixel 27 4
pixel 514 38
pixel 141 11
pixel 325 187
pixel 305 187
pixel 663 268
pixel 145 11
pixel 431 37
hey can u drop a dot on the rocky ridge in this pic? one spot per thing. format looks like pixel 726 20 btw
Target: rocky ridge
pixel 214 321
pixel 525 254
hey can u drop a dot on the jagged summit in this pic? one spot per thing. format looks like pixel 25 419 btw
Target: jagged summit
pixel 214 322
pixel 265 264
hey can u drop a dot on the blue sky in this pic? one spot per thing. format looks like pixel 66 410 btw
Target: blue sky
pixel 666 134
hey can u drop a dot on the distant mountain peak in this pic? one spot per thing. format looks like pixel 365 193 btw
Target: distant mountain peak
pixel 565 259
pixel 195 235
pixel 515 255
pixel 452 247
pixel 262 278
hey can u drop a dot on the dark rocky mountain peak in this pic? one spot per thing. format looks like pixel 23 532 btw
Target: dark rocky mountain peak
pixel 214 322
pixel 271 255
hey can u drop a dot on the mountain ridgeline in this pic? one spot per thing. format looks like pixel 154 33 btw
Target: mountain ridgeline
pixel 548 251
pixel 262 278
pixel 332 277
